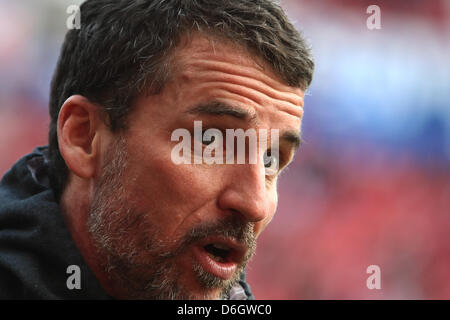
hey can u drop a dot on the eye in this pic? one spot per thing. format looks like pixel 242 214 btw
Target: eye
pixel 208 138
pixel 271 162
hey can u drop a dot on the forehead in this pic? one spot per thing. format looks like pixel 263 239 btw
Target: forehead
pixel 219 69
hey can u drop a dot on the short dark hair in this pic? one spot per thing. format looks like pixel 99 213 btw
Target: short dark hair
pixel 123 48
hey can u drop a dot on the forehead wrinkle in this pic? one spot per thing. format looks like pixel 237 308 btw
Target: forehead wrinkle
pixel 296 111
pixel 241 83
pixel 213 51
pixel 231 60
pixel 244 75
pixel 258 99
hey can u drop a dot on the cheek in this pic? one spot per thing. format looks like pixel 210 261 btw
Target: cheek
pixel 172 194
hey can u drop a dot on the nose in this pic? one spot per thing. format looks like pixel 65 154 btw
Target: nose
pixel 246 192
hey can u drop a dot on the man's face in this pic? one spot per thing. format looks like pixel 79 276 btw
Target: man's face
pixel 187 231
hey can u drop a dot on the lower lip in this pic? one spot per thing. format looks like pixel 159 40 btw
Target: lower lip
pixel 223 270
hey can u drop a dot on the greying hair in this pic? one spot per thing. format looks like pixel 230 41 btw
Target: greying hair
pixel 123 48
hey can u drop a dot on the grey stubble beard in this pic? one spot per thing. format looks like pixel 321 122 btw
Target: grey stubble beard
pixel 137 262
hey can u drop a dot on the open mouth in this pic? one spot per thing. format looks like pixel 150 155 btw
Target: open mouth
pixel 218 252
pixel 220 256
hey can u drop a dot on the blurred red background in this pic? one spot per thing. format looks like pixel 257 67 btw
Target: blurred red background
pixel 370 185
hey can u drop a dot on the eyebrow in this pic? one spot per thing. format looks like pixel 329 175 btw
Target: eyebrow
pixel 218 108
pixel 293 138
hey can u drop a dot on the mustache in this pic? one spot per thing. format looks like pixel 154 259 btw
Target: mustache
pixel 232 227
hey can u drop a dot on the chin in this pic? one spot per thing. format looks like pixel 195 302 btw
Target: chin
pixel 196 291
pixel 205 294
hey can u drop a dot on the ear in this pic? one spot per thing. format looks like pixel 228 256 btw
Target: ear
pixel 79 124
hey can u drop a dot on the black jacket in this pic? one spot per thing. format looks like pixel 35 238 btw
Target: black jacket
pixel 36 247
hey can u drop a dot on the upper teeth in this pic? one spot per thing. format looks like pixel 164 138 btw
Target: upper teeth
pixel 220 246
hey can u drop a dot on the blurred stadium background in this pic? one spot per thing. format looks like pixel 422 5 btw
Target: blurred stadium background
pixel 370 185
